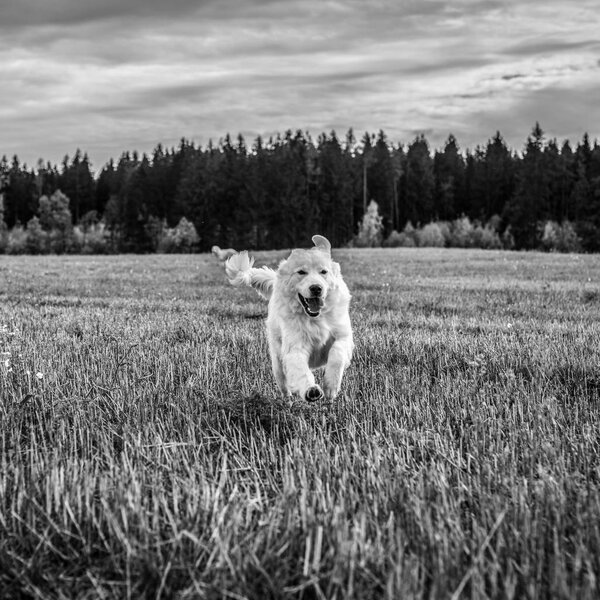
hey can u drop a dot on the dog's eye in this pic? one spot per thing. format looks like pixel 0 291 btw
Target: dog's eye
pixel 301 272
pixel 323 271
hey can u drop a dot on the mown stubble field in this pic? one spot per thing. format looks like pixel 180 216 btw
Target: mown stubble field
pixel 145 454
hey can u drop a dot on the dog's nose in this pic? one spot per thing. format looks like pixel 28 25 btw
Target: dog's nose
pixel 315 290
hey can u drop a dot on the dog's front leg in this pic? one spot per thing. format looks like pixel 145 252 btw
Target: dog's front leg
pixel 279 374
pixel 300 378
pixel 339 357
pixel 274 337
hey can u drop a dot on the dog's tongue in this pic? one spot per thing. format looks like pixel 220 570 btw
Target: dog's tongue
pixel 314 304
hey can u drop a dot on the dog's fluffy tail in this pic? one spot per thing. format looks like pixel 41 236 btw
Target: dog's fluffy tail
pixel 240 271
pixel 222 254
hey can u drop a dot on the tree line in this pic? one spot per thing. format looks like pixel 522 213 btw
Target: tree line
pixel 278 193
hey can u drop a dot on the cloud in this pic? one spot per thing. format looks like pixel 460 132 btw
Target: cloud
pixel 111 75
pixel 516 120
pixel 34 13
pixel 553 46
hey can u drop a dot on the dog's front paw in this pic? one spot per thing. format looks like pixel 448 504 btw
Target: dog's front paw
pixel 331 392
pixel 314 393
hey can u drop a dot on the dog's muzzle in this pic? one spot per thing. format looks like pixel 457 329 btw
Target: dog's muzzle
pixel 312 306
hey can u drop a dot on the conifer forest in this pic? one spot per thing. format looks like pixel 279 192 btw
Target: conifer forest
pixel 277 193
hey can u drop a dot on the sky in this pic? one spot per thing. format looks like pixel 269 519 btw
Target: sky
pixel 113 75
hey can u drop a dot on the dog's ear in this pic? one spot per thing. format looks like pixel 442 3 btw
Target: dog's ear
pixel 284 268
pixel 322 243
pixel 335 277
pixel 284 274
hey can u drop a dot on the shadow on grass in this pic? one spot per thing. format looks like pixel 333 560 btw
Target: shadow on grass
pixel 278 419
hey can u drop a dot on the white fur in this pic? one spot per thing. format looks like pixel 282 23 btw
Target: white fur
pixel 299 343
pixel 240 272
pixel 222 254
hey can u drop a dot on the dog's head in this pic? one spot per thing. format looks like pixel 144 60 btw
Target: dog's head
pixel 309 276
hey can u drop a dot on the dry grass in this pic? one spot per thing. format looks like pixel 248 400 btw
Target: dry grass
pixel 144 452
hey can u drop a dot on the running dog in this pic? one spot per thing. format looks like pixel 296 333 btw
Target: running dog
pixel 308 322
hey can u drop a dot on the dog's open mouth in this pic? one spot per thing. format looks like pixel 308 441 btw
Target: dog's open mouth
pixel 312 306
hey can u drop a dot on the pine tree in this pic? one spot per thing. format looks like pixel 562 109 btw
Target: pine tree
pixel 560 181
pixel 475 183
pixel 3 182
pixel 499 179
pixel 417 184
pixel 382 180
pixel 334 190
pixel 106 186
pixel 449 173
pixel 531 201
pixel 366 159
pixel 585 199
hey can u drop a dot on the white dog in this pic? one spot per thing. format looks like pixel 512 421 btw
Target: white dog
pixel 308 324
pixel 222 254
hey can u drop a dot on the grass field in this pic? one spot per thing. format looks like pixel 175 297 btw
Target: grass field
pixel 145 454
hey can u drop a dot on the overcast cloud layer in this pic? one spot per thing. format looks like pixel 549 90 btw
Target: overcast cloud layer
pixel 115 75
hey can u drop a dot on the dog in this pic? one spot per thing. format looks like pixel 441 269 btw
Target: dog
pixel 308 321
pixel 222 254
